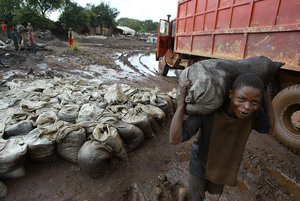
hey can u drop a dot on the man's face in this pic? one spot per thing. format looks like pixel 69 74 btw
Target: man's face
pixel 244 101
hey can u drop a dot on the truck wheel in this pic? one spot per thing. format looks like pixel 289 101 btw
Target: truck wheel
pixel 163 68
pixel 287 118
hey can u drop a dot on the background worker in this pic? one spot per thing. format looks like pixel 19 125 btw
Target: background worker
pixel 15 37
pixel 4 28
pixel 22 31
pixel 30 35
pixel 71 37
pixel 219 147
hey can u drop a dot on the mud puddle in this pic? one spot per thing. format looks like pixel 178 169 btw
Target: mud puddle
pixel 145 64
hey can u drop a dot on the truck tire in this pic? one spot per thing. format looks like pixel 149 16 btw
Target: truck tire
pixel 163 68
pixel 287 120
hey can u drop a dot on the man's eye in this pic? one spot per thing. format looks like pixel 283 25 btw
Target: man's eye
pixel 255 103
pixel 241 99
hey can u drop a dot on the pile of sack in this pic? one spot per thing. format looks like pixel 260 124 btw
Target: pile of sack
pixel 82 122
pixel 89 123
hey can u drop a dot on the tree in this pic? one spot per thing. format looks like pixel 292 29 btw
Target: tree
pixel 8 9
pixel 103 15
pixel 110 17
pixel 149 26
pixel 45 6
pixel 74 16
pixel 27 14
pixel 140 26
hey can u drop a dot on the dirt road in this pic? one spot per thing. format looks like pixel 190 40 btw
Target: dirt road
pixel 156 170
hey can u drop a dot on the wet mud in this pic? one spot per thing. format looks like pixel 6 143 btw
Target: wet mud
pixel 156 170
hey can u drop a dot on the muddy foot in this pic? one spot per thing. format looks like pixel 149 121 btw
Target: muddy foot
pixel 183 194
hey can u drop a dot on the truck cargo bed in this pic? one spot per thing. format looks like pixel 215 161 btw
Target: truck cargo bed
pixel 236 29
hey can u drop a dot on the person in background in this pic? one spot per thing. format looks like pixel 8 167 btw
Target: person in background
pixel 15 37
pixel 30 35
pixel 70 37
pixel 4 29
pixel 22 31
pixel 222 136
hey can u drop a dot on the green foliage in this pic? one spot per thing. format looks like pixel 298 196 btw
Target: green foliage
pixel 149 26
pixel 137 25
pixel 77 17
pixel 8 9
pixel 14 12
pixel 74 16
pixel 102 15
pixel 27 14
pixel 75 46
pixel 45 6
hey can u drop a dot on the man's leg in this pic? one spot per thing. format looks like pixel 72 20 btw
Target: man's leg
pixel 183 194
pixel 197 188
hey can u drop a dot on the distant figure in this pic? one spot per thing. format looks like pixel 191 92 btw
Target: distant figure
pixel 4 28
pixel 30 35
pixel 21 30
pixel 15 37
pixel 71 37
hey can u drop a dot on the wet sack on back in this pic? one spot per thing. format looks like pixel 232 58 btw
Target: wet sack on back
pixel 211 80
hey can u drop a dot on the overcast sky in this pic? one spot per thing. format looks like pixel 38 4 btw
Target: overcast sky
pixel 136 9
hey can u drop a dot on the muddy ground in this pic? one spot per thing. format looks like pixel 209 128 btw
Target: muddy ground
pixel 156 170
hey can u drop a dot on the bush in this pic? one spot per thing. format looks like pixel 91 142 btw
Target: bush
pixel 74 47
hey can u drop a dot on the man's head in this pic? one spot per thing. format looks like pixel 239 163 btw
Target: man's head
pixel 245 95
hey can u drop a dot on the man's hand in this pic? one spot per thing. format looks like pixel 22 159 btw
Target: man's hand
pixel 182 89
pixel 177 121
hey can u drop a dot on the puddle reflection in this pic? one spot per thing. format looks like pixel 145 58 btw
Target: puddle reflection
pixel 146 64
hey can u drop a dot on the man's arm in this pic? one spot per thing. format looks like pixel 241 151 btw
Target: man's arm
pixel 264 118
pixel 269 110
pixel 175 136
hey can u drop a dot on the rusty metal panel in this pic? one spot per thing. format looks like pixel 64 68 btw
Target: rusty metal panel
pixel 201 5
pixel 180 26
pixel 229 46
pixel 199 22
pixel 225 3
pixel 189 25
pixel 181 10
pixel 240 16
pixel 191 8
pixel 209 23
pixel 211 5
pixel 289 12
pixel 184 43
pixel 281 46
pixel 223 19
pixel 264 13
pixel 240 28
pixel 202 45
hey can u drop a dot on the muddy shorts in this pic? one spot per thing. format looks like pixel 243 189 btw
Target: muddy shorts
pixel 198 186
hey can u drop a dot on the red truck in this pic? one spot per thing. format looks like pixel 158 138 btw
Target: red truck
pixel 238 29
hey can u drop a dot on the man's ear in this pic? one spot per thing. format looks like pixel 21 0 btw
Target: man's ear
pixel 230 94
